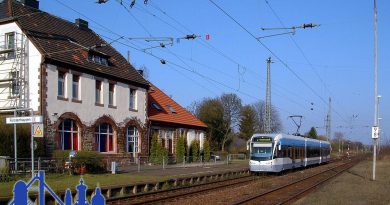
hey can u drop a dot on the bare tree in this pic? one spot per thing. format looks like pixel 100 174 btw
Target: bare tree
pixel 276 124
pixel 194 108
pixel 231 114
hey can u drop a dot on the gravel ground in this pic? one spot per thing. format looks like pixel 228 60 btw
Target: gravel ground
pixel 229 195
pixel 355 186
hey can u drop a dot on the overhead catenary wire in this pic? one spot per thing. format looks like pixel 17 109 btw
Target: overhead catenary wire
pixel 275 55
pixel 111 32
pixel 303 54
pixel 180 58
pixel 211 47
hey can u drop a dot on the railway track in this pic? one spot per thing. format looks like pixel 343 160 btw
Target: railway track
pixel 180 192
pixel 184 193
pixel 288 193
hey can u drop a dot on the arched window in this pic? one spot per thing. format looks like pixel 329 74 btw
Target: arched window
pixel 69 135
pixel 104 138
pixel 132 140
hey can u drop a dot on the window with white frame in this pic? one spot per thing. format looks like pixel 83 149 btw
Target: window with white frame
pixel 75 87
pixel 98 92
pixel 99 59
pixel 61 84
pixel 132 140
pixel 10 44
pixel 14 75
pixel 104 138
pixel 111 94
pixel 69 135
pixel 133 99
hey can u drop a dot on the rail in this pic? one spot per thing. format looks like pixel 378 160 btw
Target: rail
pixel 288 192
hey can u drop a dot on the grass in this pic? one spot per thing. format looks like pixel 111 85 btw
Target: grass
pixel 60 182
pixel 356 186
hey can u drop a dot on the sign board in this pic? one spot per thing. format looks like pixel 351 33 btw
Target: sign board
pixel 22 120
pixel 375 132
pixel 37 130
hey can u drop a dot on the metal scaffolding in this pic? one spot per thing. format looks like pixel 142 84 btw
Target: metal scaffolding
pixel 14 89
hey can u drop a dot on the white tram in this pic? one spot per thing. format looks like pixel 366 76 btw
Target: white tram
pixel 278 152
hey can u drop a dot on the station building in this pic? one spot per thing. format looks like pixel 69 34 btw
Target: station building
pixel 170 121
pixel 90 97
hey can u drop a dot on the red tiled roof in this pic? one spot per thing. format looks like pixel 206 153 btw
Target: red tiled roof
pixel 63 43
pixel 181 117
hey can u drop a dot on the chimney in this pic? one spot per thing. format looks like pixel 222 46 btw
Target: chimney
pixel 31 3
pixel 82 24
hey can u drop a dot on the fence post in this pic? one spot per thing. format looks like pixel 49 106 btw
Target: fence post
pixel 139 163
pixel 39 163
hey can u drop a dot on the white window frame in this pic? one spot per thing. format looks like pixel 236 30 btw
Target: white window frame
pixel 77 97
pixel 15 89
pixel 111 94
pixel 132 138
pixel 107 134
pixel 10 55
pixel 71 131
pixel 99 99
pixel 63 83
pixel 133 99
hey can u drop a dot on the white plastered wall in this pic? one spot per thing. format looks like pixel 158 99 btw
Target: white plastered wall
pixel 191 135
pixel 87 111
pixel 33 64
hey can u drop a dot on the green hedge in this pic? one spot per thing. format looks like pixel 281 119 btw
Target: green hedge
pixel 91 160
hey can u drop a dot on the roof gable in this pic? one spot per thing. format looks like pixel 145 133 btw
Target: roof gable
pixel 62 42
pixel 170 111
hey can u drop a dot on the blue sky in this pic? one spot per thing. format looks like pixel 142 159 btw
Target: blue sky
pixel 333 60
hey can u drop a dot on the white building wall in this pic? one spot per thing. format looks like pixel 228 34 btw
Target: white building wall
pixel 87 111
pixel 33 61
pixel 191 135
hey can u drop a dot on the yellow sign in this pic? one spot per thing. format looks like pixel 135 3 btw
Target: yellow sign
pixel 37 130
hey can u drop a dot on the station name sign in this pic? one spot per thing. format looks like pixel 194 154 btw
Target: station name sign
pixel 24 120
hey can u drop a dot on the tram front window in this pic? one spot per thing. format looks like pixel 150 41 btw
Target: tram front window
pixel 261 152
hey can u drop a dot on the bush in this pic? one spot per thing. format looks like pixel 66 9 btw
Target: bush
pixel 195 150
pixel 206 150
pixel 90 160
pixel 158 154
pixel 180 149
pixel 61 157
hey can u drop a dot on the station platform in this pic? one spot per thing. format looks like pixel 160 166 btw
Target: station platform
pixel 186 170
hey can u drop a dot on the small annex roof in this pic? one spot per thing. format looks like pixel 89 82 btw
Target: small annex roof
pixel 162 108
pixel 63 43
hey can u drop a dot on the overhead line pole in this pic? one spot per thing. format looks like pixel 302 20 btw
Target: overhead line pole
pixel 267 113
pixel 276 56
pixel 375 90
